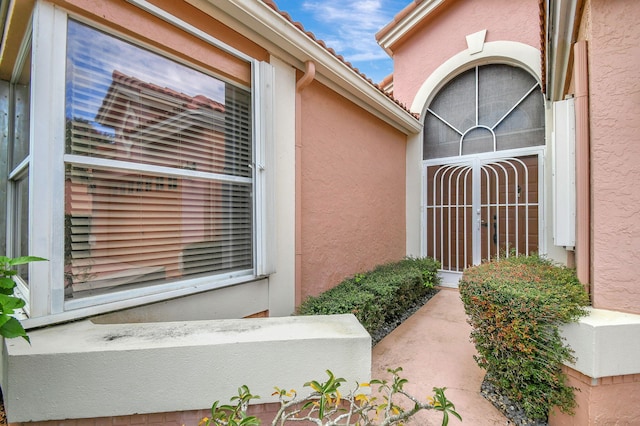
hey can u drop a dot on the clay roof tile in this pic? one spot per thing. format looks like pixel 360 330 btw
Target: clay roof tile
pixel 397 18
pixel 321 43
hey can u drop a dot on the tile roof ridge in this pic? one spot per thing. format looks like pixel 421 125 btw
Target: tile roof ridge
pixel 387 80
pixel 397 18
pixel 272 4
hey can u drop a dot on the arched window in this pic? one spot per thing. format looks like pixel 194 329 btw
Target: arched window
pixel 487 108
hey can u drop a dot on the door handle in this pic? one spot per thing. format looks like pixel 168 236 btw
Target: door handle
pixel 495 229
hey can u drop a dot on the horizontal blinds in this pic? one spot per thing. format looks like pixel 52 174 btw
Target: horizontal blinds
pixel 127 228
pixel 139 128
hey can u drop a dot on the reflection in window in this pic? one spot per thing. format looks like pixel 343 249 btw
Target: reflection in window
pixel 19 163
pixel 21 223
pixel 159 185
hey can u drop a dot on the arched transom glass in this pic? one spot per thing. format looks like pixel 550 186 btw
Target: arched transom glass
pixel 487 108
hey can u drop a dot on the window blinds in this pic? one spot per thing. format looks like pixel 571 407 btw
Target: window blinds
pixel 172 194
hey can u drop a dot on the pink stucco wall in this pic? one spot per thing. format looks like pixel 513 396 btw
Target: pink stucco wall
pixel 352 188
pixel 442 35
pixel 614 52
pixel 603 401
pixel 265 412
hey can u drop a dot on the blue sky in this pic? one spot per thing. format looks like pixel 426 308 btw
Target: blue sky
pixel 349 27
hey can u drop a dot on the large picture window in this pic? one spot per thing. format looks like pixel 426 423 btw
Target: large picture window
pixel 158 169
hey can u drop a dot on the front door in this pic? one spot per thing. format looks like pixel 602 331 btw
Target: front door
pixel 481 208
pixel 484 135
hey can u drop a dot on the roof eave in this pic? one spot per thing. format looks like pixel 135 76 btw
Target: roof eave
pixel 15 19
pixel 258 22
pixel 561 20
pixel 396 30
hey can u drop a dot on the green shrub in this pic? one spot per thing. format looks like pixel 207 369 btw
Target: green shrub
pixel 379 295
pixel 515 306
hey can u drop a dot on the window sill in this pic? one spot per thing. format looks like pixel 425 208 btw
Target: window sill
pixel 97 305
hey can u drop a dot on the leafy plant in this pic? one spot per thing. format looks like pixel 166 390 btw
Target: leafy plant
pixel 326 406
pixel 377 296
pixel 10 327
pixel 515 306
pixel 233 415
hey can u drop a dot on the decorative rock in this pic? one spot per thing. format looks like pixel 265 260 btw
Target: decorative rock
pixel 392 323
pixel 511 409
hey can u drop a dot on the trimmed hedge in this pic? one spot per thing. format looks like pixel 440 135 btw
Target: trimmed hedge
pixel 377 296
pixel 515 306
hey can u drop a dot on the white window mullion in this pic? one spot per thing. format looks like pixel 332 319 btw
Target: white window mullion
pixel 138 167
pixel 46 182
pixel 264 169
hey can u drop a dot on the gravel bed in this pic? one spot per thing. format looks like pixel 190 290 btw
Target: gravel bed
pixel 391 324
pixel 512 410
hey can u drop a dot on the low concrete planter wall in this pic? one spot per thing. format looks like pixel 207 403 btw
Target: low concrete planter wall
pixel 606 343
pixel 606 371
pixel 87 370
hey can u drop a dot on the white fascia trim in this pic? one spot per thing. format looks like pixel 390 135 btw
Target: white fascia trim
pixel 506 52
pixel 407 23
pixel 561 18
pixel 263 25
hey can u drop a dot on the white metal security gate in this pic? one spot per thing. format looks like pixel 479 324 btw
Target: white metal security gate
pixel 481 208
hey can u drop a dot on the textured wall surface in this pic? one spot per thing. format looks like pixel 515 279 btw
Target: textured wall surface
pixel 604 401
pixel 86 370
pixel 443 35
pixel 614 52
pixel 353 190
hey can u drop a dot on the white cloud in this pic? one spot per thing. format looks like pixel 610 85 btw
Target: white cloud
pixel 349 26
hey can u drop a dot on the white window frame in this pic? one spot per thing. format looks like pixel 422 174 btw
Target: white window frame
pixel 47 176
pixel 21 289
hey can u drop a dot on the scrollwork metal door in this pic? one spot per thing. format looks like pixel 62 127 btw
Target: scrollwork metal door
pixel 481 208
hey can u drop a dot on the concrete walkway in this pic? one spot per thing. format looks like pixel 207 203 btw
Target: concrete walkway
pixel 433 348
